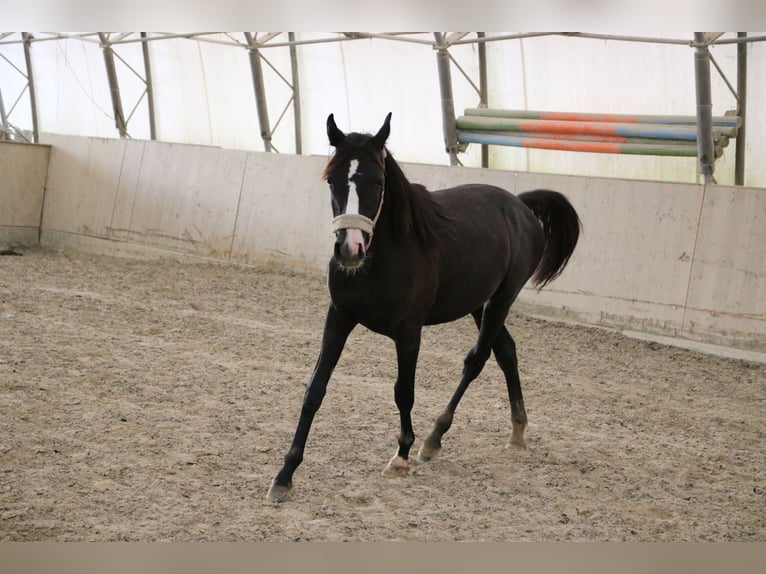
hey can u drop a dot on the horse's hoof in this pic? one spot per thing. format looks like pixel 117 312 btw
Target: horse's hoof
pixel 396 467
pixel 428 453
pixel 517 435
pixel 278 493
pixel 517 445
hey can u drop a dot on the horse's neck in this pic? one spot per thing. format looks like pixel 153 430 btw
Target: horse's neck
pixel 391 235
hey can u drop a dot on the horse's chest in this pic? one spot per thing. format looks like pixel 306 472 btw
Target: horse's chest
pixel 376 311
pixel 379 308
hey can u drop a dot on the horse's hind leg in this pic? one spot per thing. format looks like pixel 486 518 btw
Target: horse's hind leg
pixel 505 355
pixel 491 321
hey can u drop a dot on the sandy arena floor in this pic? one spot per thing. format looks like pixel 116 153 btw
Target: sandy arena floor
pixel 151 401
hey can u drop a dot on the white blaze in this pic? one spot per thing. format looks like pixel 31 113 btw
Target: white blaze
pixel 354 237
pixel 352 205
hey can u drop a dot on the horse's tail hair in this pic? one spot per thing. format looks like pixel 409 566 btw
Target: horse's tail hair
pixel 561 226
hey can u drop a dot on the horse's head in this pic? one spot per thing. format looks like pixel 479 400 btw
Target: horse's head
pixel 356 176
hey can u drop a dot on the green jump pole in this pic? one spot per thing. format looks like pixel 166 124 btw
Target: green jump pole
pixel 670 149
pixel 729 121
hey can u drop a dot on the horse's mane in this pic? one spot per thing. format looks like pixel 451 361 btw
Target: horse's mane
pixel 414 213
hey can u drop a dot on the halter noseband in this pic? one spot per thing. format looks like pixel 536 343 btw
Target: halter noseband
pixel 358 221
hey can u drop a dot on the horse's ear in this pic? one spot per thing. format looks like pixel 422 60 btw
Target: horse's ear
pixel 336 136
pixel 380 138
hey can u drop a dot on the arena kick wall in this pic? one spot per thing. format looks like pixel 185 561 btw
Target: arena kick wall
pixel 22 183
pixel 678 260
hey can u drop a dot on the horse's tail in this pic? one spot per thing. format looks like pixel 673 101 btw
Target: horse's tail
pixel 561 226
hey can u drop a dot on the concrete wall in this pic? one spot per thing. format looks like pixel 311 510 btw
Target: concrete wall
pixel 677 260
pixel 671 259
pixel 141 196
pixel 22 183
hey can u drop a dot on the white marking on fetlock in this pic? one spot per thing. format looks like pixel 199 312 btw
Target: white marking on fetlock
pixel 397 466
pixel 278 493
pixel 427 453
pixel 517 435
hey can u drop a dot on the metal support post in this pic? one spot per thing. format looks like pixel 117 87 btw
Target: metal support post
pixel 483 95
pixel 448 103
pixel 149 88
pixel 5 129
pixel 739 154
pixel 27 37
pixel 296 85
pixel 260 91
pixel 114 86
pixel 705 149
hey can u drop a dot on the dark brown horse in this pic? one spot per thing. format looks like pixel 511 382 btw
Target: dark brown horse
pixel 406 257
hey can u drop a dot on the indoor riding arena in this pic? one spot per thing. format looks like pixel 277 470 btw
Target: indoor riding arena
pixel 163 298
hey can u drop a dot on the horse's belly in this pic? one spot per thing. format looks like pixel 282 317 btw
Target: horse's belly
pixel 459 297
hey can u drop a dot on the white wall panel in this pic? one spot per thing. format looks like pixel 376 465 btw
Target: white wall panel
pixel 186 197
pixel 23 169
pixel 83 177
pixel 631 267
pixel 284 213
pixel 727 293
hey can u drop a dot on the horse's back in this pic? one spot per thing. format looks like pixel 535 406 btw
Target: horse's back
pixel 488 215
pixel 484 200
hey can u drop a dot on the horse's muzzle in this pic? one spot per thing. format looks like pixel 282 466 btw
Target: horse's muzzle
pixel 350 247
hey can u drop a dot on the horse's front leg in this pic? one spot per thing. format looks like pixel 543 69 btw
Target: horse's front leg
pixel 407 348
pixel 336 330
